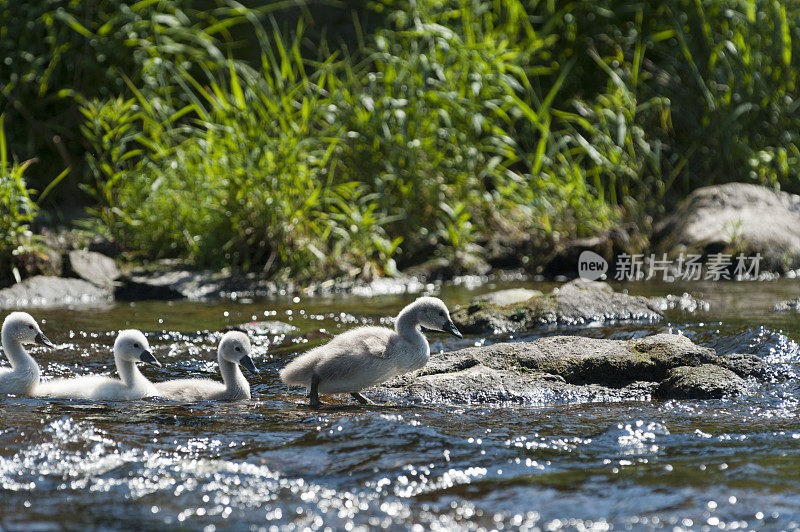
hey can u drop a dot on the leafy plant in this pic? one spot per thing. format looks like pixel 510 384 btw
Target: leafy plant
pixel 17 209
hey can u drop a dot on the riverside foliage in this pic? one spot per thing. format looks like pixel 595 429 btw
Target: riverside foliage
pixel 249 136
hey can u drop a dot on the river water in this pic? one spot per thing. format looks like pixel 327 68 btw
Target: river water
pixel 153 465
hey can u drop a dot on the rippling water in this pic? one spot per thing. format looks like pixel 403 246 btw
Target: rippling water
pixel 727 464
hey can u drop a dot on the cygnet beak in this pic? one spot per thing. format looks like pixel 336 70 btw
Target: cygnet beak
pixel 247 363
pixel 148 357
pixel 451 328
pixel 41 339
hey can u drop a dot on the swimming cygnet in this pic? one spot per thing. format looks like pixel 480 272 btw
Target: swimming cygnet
pixel 19 328
pixel 234 350
pixel 130 347
pixel 367 356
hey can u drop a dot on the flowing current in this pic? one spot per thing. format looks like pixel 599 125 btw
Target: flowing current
pixel 275 464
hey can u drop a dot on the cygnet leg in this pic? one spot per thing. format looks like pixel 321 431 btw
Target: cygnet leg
pixel 313 392
pixel 361 399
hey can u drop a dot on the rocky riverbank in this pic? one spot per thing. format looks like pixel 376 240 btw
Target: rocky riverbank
pixel 713 221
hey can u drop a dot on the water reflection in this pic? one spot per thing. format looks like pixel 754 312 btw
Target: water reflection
pixel 274 463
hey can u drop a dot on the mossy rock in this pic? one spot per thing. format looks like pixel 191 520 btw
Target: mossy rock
pixel 576 368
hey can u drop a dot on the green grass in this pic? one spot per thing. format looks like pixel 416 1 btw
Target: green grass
pixel 17 210
pixel 226 136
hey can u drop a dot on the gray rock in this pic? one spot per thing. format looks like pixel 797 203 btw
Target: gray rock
pixel 790 305
pixel 93 267
pixel 481 385
pixel 570 368
pixel 707 381
pixel 736 217
pixel 503 298
pixel 194 285
pixel 380 286
pixel 445 269
pixel 158 287
pixel 45 291
pixel 746 365
pixel 575 303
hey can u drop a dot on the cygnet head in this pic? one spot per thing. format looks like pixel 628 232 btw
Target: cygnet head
pixel 131 345
pixel 235 347
pixel 21 326
pixel 432 314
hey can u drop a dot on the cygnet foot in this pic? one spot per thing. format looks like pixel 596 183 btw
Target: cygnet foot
pixel 361 399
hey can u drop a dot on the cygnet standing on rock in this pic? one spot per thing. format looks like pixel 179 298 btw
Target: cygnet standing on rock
pixel 130 347
pixel 234 351
pixel 367 356
pixel 19 328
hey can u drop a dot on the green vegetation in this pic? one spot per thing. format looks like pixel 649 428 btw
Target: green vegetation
pixel 228 135
pixel 17 210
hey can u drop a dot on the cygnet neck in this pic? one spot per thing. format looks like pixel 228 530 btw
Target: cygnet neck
pixel 407 325
pixel 235 382
pixel 128 371
pixel 16 353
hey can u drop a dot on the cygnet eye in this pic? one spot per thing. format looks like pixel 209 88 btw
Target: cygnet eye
pixel 136 345
pixel 441 313
pixel 30 327
pixel 238 348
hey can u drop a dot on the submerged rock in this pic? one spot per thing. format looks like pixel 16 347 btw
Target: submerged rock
pixel 575 303
pixel 93 267
pixel 736 217
pixel 573 368
pixel 46 291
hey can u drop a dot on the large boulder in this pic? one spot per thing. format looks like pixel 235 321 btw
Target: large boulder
pixel 736 218
pixel 93 267
pixel 575 303
pixel 574 368
pixel 46 291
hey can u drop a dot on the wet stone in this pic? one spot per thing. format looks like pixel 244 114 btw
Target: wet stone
pixel 707 381
pixel 576 368
pixel 575 303
pixel 746 365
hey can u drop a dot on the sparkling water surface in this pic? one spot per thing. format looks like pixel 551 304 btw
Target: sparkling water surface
pixel 273 463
